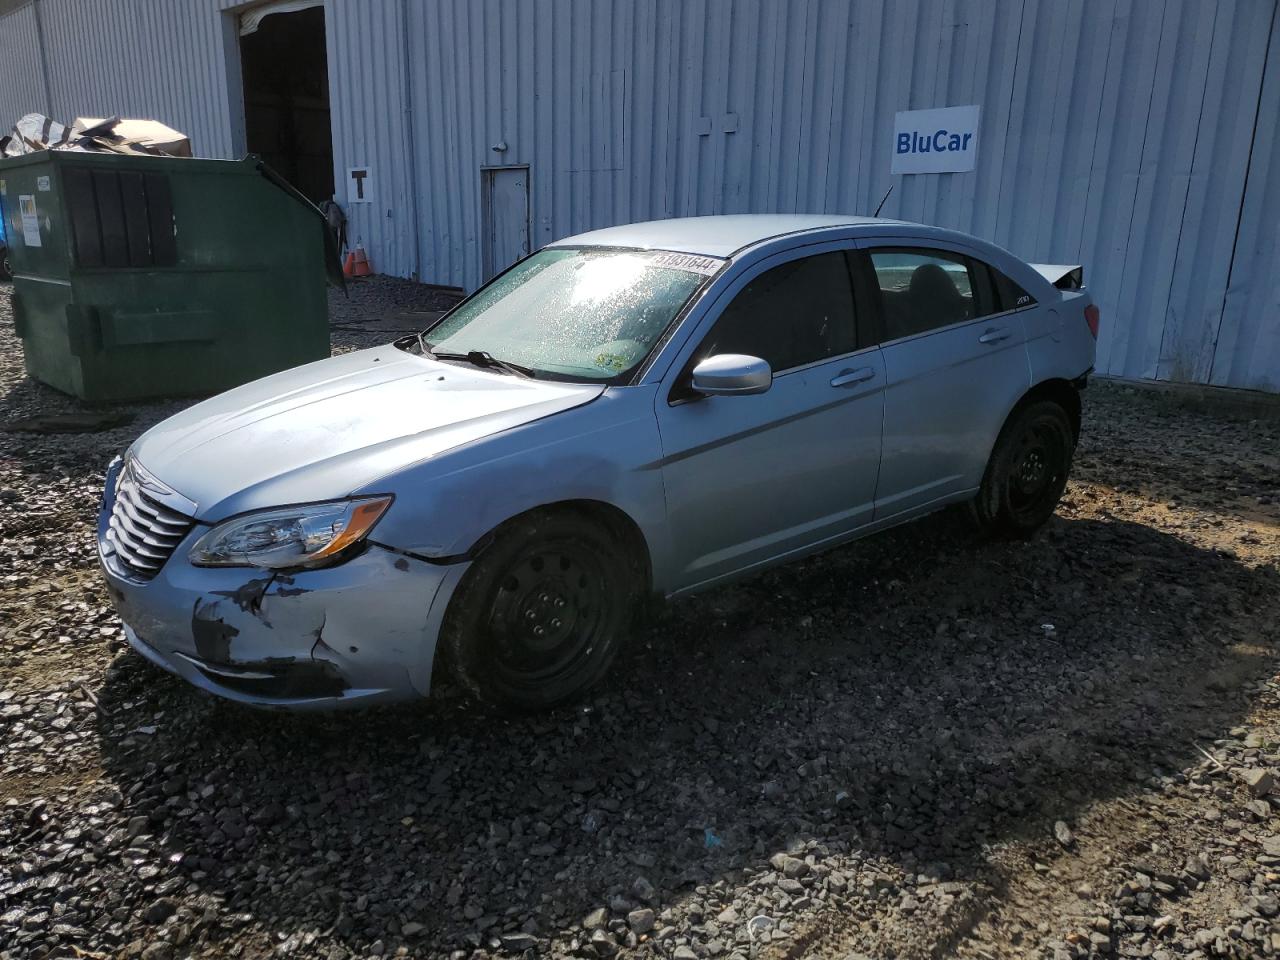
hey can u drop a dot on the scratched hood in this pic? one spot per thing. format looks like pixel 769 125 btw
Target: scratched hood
pixel 324 430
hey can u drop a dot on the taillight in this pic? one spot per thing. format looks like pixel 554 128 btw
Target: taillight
pixel 1092 316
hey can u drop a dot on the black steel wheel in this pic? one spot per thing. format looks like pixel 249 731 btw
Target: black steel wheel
pixel 539 617
pixel 6 268
pixel 1028 471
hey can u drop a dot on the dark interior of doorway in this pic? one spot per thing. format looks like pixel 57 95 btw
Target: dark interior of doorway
pixel 286 99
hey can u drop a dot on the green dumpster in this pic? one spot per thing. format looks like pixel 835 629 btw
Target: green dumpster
pixel 156 276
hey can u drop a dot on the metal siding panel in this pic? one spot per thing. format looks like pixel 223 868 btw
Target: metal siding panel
pixel 546 182
pixel 858 181
pixel 1114 133
pixel 1211 210
pixel 21 82
pixel 367 104
pixel 161 61
pixel 714 106
pixel 746 157
pixel 565 47
pixel 834 24
pixel 1110 136
pixel 1163 182
pixel 1128 86
pixel 953 85
pixel 934 61
pixel 1247 348
pixel 1033 172
pixel 687 98
pixel 1078 108
pixel 741 95
pixel 825 48
pixel 642 33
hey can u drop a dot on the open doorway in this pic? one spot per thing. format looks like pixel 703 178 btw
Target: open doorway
pixel 285 68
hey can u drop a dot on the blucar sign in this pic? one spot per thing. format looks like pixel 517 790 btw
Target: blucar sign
pixel 944 140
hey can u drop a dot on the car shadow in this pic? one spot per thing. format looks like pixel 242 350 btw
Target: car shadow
pixel 914 697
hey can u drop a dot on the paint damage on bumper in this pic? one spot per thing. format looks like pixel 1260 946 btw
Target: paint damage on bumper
pixel 360 632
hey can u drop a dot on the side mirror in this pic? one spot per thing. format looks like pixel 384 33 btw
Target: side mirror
pixel 732 375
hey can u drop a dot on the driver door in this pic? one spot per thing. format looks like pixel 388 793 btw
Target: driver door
pixel 751 479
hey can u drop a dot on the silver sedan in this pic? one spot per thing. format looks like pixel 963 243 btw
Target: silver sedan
pixel 646 410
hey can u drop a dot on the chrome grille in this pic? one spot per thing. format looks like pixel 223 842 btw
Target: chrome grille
pixel 143 531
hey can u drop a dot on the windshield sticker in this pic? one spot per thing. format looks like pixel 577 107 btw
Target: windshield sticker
pixel 689 261
pixel 611 361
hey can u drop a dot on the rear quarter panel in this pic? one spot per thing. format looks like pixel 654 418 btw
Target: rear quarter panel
pixel 1059 344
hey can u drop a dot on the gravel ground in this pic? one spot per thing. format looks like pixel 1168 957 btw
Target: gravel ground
pixel 918 746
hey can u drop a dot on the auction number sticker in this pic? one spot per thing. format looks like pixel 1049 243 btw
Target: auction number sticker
pixel 689 261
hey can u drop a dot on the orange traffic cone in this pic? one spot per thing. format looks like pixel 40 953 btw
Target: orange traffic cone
pixel 360 266
pixel 349 265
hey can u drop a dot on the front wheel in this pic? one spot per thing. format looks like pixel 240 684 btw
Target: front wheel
pixel 1027 472
pixel 541 614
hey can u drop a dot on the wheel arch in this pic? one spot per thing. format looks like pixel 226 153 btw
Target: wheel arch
pixel 986 507
pixel 1058 390
pixel 610 517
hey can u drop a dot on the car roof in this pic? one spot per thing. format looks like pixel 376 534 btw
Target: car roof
pixel 714 236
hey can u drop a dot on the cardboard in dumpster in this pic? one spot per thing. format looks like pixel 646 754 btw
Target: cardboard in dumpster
pixel 147 134
pixel 36 132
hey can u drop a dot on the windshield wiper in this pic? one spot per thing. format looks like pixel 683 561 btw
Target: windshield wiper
pixel 480 358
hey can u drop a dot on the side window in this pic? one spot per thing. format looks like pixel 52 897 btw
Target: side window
pixel 1011 295
pixel 791 315
pixel 922 290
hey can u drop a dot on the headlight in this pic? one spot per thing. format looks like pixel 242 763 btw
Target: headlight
pixel 289 537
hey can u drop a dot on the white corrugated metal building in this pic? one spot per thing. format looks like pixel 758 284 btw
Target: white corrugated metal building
pixel 1137 137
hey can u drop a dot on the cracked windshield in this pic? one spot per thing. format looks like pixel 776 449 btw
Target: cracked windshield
pixel 575 314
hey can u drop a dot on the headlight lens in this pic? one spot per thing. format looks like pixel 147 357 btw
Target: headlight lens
pixel 289 537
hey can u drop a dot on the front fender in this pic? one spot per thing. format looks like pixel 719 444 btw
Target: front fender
pixel 607 451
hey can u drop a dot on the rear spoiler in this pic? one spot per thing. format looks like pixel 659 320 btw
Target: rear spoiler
pixel 1061 275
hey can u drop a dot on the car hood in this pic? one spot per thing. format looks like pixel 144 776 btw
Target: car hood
pixel 327 429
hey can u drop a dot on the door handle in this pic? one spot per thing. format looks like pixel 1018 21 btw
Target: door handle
pixel 846 377
pixel 994 335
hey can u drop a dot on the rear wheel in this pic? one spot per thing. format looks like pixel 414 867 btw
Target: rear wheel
pixel 542 612
pixel 1027 472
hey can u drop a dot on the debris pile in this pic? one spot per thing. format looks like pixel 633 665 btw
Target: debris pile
pixel 36 132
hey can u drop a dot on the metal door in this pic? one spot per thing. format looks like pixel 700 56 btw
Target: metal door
pixel 504 203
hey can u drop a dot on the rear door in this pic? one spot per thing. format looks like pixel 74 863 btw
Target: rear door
pixel 955 363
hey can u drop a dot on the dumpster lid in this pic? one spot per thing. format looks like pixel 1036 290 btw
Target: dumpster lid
pixel 332 260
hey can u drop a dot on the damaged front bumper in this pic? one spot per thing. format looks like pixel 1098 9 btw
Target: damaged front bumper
pixel 361 632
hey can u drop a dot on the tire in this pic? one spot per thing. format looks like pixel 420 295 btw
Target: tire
pixel 541 614
pixel 1027 472
pixel 6 270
